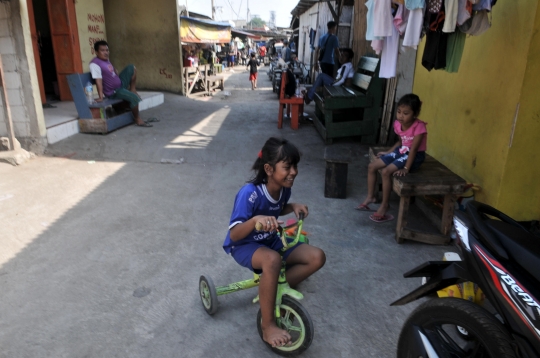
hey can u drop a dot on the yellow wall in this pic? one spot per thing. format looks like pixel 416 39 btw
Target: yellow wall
pixel 91 26
pixel 522 170
pixel 146 34
pixel 471 113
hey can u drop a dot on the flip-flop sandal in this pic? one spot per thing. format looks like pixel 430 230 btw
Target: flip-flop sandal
pixel 153 119
pixel 381 219
pixel 144 125
pixel 364 207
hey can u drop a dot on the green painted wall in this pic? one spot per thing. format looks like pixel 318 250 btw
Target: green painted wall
pixel 146 34
pixel 471 113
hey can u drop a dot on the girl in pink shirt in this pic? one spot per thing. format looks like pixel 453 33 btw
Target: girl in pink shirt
pixel 406 155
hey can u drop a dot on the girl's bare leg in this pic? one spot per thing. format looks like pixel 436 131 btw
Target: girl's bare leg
pixel 305 261
pixel 269 261
pixel 386 175
pixel 373 167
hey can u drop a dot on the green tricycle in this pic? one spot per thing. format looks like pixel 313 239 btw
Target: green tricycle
pixel 290 314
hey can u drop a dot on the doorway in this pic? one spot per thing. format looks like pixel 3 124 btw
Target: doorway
pixel 46 52
pixel 56 46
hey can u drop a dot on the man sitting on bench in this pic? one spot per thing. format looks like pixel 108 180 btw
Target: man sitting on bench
pixel 115 85
pixel 344 75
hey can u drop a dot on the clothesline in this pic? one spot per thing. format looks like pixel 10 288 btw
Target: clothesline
pixel 444 22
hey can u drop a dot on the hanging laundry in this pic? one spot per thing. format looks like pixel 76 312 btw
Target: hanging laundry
pixel 414 28
pixel 382 18
pixel 415 4
pixel 454 51
pixel 464 11
pixel 369 20
pixel 450 15
pixel 389 55
pixel 434 56
pixel 482 5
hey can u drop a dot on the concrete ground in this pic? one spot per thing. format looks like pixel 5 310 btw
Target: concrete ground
pixel 104 239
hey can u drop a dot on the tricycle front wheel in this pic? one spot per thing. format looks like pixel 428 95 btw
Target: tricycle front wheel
pixel 296 320
pixel 208 293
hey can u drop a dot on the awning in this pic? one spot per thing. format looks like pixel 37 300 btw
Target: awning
pixel 246 34
pixel 204 31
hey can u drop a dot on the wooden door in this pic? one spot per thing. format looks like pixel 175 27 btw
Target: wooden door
pixel 35 46
pixel 65 39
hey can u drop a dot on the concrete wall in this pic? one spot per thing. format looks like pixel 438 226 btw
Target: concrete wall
pixel 20 77
pixel 147 35
pixel 471 113
pixel 91 26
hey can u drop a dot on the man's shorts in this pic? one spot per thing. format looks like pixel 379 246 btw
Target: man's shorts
pixel 244 253
pixel 123 92
pixel 253 76
pixel 399 159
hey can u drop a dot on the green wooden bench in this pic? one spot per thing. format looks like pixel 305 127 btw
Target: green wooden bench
pixel 352 111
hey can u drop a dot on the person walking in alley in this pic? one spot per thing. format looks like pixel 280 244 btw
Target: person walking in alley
pixel 252 66
pixel 115 85
pixel 328 49
pixel 261 201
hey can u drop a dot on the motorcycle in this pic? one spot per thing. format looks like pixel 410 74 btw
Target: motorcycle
pixel 502 258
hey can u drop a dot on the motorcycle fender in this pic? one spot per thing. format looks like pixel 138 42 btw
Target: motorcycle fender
pixel 441 274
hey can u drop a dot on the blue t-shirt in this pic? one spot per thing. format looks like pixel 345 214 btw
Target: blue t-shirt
pixel 329 47
pixel 253 200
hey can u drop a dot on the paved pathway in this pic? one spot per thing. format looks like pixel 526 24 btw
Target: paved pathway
pixel 103 242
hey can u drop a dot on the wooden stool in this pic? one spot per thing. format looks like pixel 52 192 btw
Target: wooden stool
pixel 337 167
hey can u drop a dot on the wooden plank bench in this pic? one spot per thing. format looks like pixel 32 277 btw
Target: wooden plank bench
pixel 352 111
pixel 432 178
pixel 100 117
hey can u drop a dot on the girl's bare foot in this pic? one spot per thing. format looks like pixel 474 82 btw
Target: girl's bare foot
pixel 382 210
pixel 276 336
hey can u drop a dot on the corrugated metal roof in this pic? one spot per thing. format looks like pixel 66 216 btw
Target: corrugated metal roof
pixel 303 6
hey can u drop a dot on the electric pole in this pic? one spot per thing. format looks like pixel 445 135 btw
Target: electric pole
pixel 213 10
pixel 247 14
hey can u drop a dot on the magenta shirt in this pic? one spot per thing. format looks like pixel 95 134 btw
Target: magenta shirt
pixel 407 137
pixel 111 81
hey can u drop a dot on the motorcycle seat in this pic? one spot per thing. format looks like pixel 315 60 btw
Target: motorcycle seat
pixel 522 246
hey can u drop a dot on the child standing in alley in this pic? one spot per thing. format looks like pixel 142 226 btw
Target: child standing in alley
pixel 252 65
pixel 262 200
pixel 406 155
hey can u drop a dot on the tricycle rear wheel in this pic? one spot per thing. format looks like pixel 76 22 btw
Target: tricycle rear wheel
pixel 208 293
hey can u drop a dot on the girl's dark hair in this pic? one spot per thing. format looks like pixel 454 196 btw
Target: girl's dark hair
pixel 274 151
pixel 412 101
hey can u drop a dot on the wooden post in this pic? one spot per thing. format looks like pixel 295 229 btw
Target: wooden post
pixel 448 213
pixel 402 217
pixel 7 110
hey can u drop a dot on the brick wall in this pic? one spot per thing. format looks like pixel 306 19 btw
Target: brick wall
pixel 26 111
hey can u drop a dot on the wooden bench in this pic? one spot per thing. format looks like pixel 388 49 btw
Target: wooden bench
pixel 352 111
pixel 294 104
pixel 432 178
pixel 199 79
pixel 100 117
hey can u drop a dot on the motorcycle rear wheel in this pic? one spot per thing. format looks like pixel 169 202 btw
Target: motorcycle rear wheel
pixel 437 320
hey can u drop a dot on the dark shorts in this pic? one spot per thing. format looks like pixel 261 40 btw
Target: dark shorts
pixel 123 92
pixel 399 160
pixel 244 253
